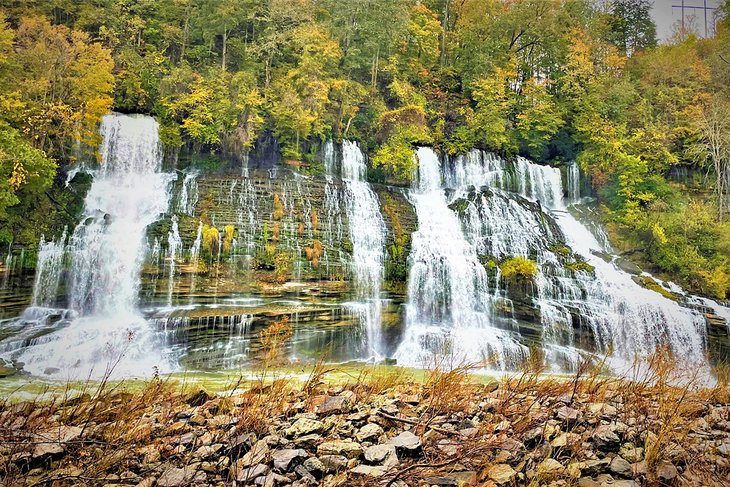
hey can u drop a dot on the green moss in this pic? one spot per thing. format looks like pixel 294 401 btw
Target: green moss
pixel 652 285
pixel 347 245
pixel 460 205
pixel 580 266
pixel 519 269
pixel 560 249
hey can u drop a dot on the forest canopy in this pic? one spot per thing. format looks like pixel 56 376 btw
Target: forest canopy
pixel 552 80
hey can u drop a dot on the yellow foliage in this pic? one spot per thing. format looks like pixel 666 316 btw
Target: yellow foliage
pixel 211 239
pixel 228 232
pixel 315 221
pixel 314 253
pixel 519 269
pixel 278 213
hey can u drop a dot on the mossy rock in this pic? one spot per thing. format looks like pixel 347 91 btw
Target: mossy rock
pixel 652 285
pixel 580 265
pixel 460 205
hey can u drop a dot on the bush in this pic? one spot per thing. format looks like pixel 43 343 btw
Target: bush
pixel 519 269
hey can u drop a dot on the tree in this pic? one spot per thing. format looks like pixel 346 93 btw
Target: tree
pixel 713 148
pixel 23 168
pixel 630 26
pixel 61 83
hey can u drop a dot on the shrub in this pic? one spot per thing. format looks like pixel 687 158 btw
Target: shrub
pixel 519 269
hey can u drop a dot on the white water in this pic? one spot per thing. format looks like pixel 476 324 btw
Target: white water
pixel 174 245
pixel 48 271
pixel 449 309
pixel 106 252
pixel 573 182
pixel 367 234
pixel 625 318
pixel 188 199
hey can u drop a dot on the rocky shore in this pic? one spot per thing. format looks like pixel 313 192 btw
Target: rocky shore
pixel 378 429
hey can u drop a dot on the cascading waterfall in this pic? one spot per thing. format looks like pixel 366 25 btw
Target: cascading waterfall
pixel 573 182
pixel 106 252
pixel 174 244
pixel 188 199
pixel 623 316
pixel 48 271
pixel 448 314
pixel 367 234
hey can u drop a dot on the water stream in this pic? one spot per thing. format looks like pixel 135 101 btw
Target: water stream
pixel 106 251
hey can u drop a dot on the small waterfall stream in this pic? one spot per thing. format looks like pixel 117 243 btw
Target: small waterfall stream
pixel 367 234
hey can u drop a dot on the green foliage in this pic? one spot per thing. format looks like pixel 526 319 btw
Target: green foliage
pixel 580 266
pixel 25 171
pixel 519 269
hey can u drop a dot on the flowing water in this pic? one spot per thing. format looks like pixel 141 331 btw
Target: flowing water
pixel 92 308
pixel 106 252
pixel 367 234
pixel 449 310
pixel 625 319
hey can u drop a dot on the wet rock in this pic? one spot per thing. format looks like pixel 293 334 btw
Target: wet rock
pixel 285 460
pixel 501 474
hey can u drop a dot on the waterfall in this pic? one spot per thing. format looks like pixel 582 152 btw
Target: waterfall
pixel 106 252
pixel 328 156
pixel 174 243
pixel 367 234
pixel 188 199
pixel 624 317
pixel 573 182
pixel 48 271
pixel 449 301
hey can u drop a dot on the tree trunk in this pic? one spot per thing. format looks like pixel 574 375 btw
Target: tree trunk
pixel 223 56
